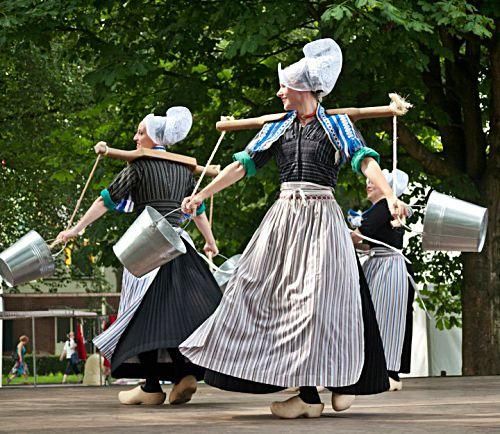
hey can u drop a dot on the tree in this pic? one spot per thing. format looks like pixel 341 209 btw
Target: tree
pixel 221 58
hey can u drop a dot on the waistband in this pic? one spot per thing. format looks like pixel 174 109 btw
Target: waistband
pixel 382 252
pixel 305 190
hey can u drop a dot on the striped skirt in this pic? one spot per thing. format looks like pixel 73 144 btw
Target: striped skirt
pixel 157 312
pixel 292 312
pixel 387 277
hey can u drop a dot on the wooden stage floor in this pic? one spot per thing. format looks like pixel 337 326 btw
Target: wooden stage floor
pixel 426 405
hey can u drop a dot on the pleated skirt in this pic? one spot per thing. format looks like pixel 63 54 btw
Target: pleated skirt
pixel 180 297
pixel 392 295
pixel 296 312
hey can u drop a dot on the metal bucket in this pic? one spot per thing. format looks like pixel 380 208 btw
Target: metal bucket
pixel 225 271
pixel 453 225
pixel 148 243
pixel 27 259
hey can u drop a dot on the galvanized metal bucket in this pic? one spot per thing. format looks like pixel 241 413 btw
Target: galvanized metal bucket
pixel 225 271
pixel 148 243
pixel 27 259
pixel 453 225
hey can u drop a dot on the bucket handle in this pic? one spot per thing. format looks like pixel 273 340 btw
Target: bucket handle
pixel 53 244
pixel 166 215
pixel 212 265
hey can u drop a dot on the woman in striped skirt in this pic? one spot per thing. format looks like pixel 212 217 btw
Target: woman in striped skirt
pixel 387 275
pixel 161 309
pixel 297 311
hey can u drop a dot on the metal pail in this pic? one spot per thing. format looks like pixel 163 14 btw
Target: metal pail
pixel 27 259
pixel 148 243
pixel 453 225
pixel 225 271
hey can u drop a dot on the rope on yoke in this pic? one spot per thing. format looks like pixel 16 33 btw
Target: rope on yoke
pixel 212 155
pixel 208 163
pixel 79 201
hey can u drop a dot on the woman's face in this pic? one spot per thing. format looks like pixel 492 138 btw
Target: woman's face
pixel 141 138
pixel 291 99
pixel 373 193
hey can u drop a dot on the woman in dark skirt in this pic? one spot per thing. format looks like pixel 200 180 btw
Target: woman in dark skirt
pixel 297 311
pixel 388 274
pixel 161 309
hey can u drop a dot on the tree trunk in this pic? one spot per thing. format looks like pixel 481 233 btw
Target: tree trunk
pixel 481 293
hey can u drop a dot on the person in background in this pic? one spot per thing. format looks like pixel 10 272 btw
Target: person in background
pixel 20 366
pixel 387 275
pixel 69 352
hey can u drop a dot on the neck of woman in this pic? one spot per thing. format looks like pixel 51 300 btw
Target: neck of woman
pixel 307 111
pixel 376 199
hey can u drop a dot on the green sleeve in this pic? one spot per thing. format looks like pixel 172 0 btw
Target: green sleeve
pixel 108 202
pixel 360 155
pixel 201 209
pixel 247 162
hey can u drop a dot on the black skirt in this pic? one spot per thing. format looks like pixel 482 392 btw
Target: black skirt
pixel 373 377
pixel 181 297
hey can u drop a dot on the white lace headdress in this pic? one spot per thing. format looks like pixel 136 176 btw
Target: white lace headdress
pixel 169 129
pixel 318 71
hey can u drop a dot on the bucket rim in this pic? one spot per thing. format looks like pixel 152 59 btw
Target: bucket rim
pixel 171 235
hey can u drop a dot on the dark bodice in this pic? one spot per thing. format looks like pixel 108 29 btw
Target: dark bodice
pixel 376 224
pixel 303 153
pixel 161 184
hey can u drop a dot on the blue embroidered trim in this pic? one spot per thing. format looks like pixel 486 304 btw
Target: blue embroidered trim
pixel 340 131
pixel 271 132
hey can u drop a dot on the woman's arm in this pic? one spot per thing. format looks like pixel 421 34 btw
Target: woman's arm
pixel 96 211
pixel 355 236
pixel 203 226
pixel 230 175
pixel 372 171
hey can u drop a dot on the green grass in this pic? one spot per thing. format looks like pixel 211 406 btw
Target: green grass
pixel 42 379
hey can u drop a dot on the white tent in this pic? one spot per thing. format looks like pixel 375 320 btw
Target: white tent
pixel 434 352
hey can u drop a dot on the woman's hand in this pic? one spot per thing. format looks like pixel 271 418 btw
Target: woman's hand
pixel 211 248
pixel 64 236
pixel 101 148
pixel 191 203
pixel 397 208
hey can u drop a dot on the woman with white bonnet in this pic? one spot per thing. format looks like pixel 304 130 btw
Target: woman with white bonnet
pixel 161 309
pixel 297 311
pixel 387 275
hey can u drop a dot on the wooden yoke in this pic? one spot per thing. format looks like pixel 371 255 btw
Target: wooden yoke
pixel 397 107
pixel 190 162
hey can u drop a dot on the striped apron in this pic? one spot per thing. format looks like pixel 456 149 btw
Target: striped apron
pixel 387 278
pixel 291 314
pixel 133 291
